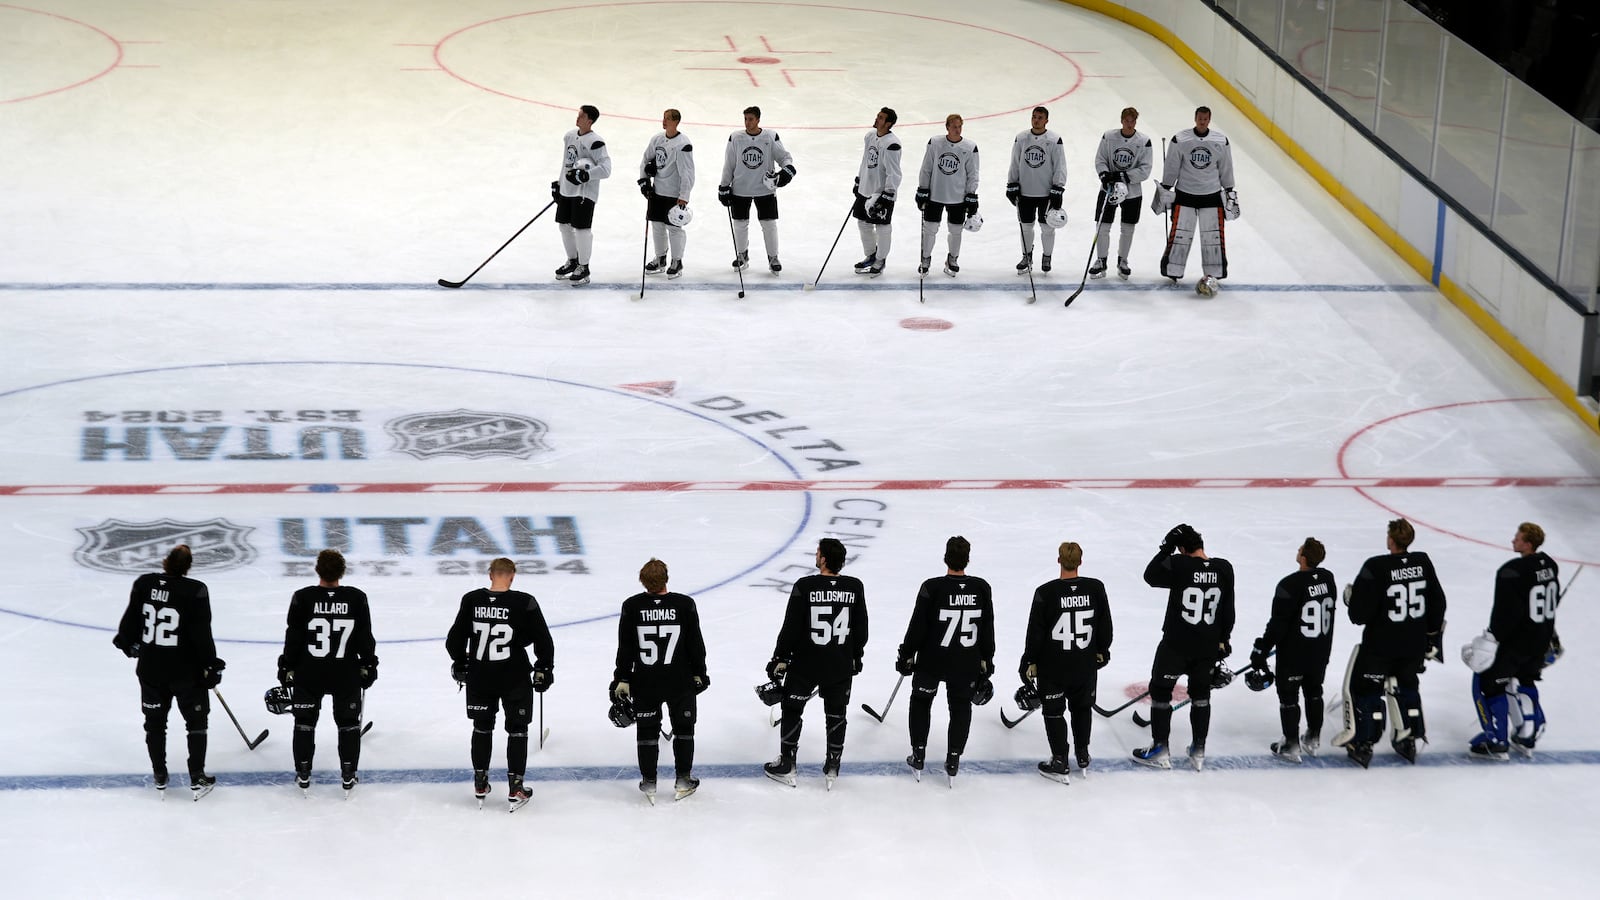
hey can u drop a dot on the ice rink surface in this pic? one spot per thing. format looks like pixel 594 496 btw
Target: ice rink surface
pixel 223 226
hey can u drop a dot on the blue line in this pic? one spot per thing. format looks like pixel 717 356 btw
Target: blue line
pixel 624 773
pixel 1438 245
pixel 874 286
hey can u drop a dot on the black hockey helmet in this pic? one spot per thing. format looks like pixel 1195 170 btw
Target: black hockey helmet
pixel 982 691
pixel 771 693
pixel 279 700
pixel 621 712
pixel 1027 698
pixel 1221 676
pixel 1258 678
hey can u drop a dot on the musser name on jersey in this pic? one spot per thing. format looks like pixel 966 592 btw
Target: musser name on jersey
pixel 491 612
pixel 832 597
pixel 1406 574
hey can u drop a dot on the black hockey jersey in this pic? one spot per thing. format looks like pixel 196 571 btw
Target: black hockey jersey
pixel 1399 601
pixel 492 633
pixel 1300 626
pixel 1527 591
pixel 952 627
pixel 329 635
pixel 1069 623
pixel 660 648
pixel 1200 610
pixel 824 628
pixel 169 618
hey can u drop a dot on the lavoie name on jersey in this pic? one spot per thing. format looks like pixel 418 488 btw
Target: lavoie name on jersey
pixel 964 600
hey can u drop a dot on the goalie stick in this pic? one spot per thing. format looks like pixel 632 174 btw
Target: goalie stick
pixel 881 716
pixel 455 284
pixel 247 742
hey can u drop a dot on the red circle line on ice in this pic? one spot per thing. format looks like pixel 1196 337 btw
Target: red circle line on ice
pixel 116 54
pixel 926 323
pixel 770 56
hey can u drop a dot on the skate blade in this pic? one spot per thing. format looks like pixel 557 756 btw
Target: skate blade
pixel 679 795
pixel 201 792
pixel 789 779
pixel 517 804
pixel 1062 778
pixel 830 779
pixel 650 798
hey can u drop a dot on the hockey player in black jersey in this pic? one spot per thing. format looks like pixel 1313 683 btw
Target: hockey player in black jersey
pixel 1398 601
pixel 819 647
pixel 661 659
pixel 488 646
pixel 328 651
pixel 950 639
pixel 1194 639
pixel 167 627
pixel 1508 664
pixel 1068 642
pixel 1300 629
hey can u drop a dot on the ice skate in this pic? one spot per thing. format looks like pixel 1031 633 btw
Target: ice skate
pixel 1044 263
pixel 201 784
pixel 647 787
pixel 480 785
pixel 830 768
pixel 161 778
pixel 1122 268
pixel 684 786
pixel 950 267
pixel 1523 745
pixel 1407 748
pixel 1098 270
pixel 781 770
pixel 1155 756
pixel 675 270
pixel 1055 769
pixel 1309 743
pixel 348 779
pixel 916 761
pixel 1286 751
pixel 580 275
pixel 1083 760
pixel 1197 756
pixel 922 268
pixel 567 268
pixel 774 265
pixel 741 260
pixel 865 266
pixel 518 796
pixel 1360 753
pixel 656 266
pixel 302 780
pixel 1025 263
pixel 952 767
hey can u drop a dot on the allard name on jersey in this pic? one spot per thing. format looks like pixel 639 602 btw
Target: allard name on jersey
pixel 330 608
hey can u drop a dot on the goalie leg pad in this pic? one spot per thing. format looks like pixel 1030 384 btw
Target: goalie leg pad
pixel 1179 239
pixel 1213 243
pixel 1348 732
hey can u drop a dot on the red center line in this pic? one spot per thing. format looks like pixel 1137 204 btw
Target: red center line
pixel 714 486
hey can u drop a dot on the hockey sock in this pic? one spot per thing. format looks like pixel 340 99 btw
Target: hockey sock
pixel 769 235
pixel 1161 721
pixel 1027 237
pixel 930 230
pixel 921 716
pixel 516 751
pixel 960 725
pixel 569 241
pixel 956 231
pixel 155 741
pixel 585 245
pixel 741 236
pixel 350 746
pixel 836 729
pixel 791 725
pixel 1314 715
pixel 1289 719
pixel 649 755
pixel 1047 240
pixel 197 751
pixel 1102 241
pixel 1055 733
pixel 305 745
pixel 1082 722
pixel 683 751
pixel 1125 241
pixel 677 239
pixel 869 238
pixel 482 745
pixel 885 238
pixel 1200 720
pixel 658 237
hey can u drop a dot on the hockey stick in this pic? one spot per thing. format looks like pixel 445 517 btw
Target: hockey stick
pixel 455 284
pixel 1100 210
pixel 544 733
pixel 1108 713
pixel 1143 721
pixel 247 742
pixel 734 238
pixel 644 254
pixel 1012 723
pixel 367 727
pixel 1033 292
pixel 813 285
pixel 880 717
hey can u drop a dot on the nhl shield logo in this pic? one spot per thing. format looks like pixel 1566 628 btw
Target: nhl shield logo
pixel 467 433
pixel 133 547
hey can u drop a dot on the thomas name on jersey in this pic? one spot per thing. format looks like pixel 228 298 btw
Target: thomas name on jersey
pixel 658 615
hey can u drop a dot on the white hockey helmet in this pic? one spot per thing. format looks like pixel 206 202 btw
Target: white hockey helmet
pixel 679 216
pixel 1056 218
pixel 1207 287
pixel 770 181
pixel 974 222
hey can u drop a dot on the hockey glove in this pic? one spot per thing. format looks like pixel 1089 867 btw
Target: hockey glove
pixel 922 198
pixel 1224 650
pixel 1057 192
pixel 972 204
pixel 1551 655
pixel 1349 589
pixel 1435 651
pixel 784 176
pixel 982 691
pixel 577 176
pixel 555 190
pixel 460 669
pixel 1106 178
pixel 1162 199
pixel 543 677
pixel 725 194
pixel 285 674
pixel 701 682
pixel 620 691
pixel 1028 672
pixel 650 169
pixel 882 209
pixel 1102 658
pixel 1027 698
pixel 1013 193
pixel 775 669
pixel 1258 655
pixel 1230 204
pixel 130 649
pixel 1480 653
pixel 906 662
pixel 369 673
pixel 212 675
pixel 856 665
pixel 644 187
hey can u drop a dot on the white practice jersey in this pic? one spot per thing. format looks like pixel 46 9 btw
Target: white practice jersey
pixel 750 157
pixel 589 147
pixel 674 159
pixel 1130 155
pixel 949 171
pixel 880 165
pixel 1038 162
pixel 1198 165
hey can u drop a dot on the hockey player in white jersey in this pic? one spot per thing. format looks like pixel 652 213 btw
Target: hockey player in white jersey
pixel 1123 162
pixel 666 177
pixel 1197 187
pixel 755 166
pixel 584 162
pixel 877 183
pixel 1036 183
pixel 947 186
